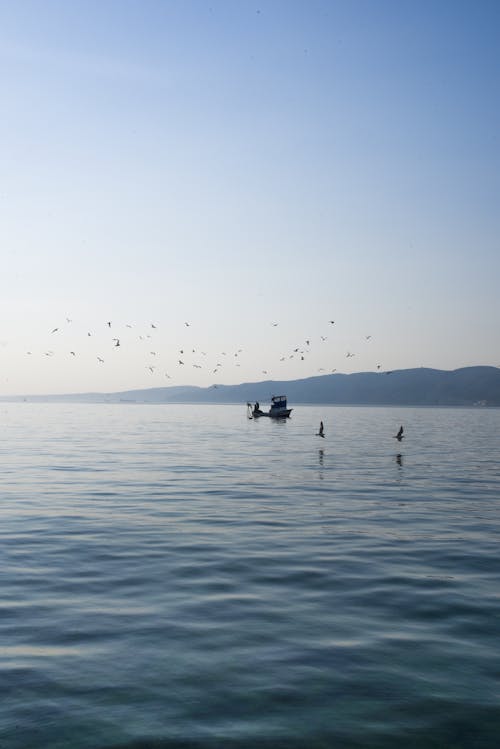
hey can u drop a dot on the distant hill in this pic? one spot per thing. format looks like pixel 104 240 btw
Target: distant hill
pixel 468 386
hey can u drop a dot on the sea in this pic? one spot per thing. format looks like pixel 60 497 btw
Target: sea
pixel 184 577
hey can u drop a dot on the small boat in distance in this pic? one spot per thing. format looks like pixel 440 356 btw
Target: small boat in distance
pixel 278 409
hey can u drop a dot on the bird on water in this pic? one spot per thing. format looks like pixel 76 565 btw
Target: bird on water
pixel 399 436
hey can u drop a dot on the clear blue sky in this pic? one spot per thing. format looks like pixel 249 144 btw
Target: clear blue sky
pixel 236 164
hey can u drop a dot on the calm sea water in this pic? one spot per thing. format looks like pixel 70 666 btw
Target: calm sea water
pixel 180 576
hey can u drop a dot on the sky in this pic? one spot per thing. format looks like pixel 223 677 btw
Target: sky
pixel 221 180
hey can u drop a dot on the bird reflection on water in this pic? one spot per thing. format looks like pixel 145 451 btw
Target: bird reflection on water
pixel 321 459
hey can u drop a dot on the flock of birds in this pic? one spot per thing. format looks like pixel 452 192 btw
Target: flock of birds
pixel 298 352
pixel 183 356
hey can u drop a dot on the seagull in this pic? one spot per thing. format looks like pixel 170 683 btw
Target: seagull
pixel 108 324
pixel 321 432
pixel 100 360
pixel 186 324
pixel 153 326
pixel 72 353
pixel 399 436
pixel 117 341
pixel 55 330
pixel 180 362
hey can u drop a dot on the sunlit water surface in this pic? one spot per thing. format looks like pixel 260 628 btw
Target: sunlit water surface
pixel 181 576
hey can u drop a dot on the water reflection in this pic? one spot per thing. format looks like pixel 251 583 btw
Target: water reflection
pixel 399 460
pixel 321 458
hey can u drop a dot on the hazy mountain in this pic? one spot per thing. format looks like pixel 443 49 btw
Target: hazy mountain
pixel 419 387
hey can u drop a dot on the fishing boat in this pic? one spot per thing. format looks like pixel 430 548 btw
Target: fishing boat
pixel 278 409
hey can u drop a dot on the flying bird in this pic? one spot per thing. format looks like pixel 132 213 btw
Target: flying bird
pixel 321 432
pixel 100 360
pixel 399 436
pixel 55 330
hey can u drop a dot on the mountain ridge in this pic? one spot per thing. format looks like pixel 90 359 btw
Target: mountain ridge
pixel 466 386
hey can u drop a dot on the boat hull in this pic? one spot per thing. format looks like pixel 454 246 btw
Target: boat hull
pixel 284 414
